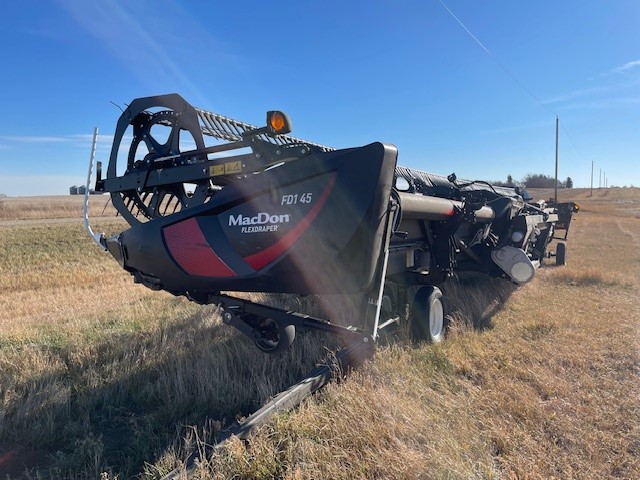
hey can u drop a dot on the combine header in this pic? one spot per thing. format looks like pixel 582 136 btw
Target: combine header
pixel 216 205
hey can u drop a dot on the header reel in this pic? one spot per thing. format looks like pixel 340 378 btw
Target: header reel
pixel 170 168
pixel 152 201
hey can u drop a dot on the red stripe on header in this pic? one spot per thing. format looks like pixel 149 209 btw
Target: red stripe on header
pixel 191 251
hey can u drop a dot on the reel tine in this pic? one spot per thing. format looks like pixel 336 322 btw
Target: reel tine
pixel 167 204
pixel 130 203
pixel 105 207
